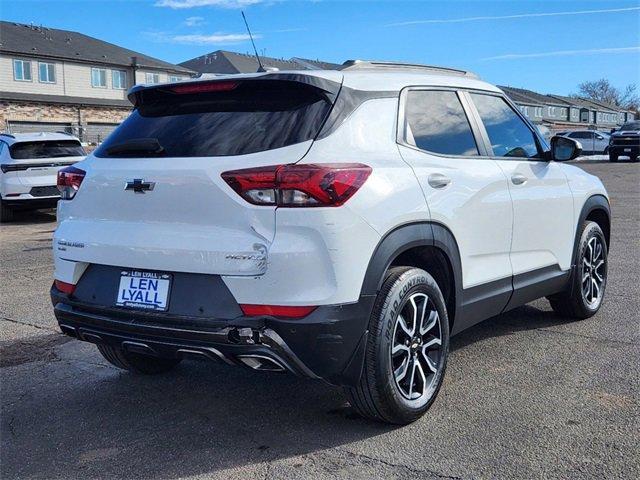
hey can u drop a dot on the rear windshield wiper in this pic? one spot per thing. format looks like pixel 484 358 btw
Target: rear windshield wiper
pixel 137 147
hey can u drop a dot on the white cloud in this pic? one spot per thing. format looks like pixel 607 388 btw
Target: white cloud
pixel 184 4
pixel 510 17
pixel 564 53
pixel 194 21
pixel 213 39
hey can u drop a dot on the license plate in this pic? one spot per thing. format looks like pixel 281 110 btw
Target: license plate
pixel 627 149
pixel 144 290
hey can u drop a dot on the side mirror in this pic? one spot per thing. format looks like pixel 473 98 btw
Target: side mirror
pixel 564 149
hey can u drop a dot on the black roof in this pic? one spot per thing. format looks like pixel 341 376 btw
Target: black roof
pixel 44 42
pixel 223 61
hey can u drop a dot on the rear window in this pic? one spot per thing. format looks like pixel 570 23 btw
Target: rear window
pixel 46 149
pixel 249 117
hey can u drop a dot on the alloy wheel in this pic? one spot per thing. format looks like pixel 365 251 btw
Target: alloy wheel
pixel 593 272
pixel 416 349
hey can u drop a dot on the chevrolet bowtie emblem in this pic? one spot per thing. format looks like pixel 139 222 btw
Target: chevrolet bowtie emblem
pixel 139 186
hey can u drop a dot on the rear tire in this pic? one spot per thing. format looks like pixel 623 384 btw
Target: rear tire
pixel 584 295
pixel 407 347
pixel 6 213
pixel 135 362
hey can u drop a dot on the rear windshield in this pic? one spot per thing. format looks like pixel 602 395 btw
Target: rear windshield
pixel 46 149
pixel 252 116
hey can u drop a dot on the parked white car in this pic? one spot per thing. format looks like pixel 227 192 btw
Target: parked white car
pixel 29 164
pixel 340 225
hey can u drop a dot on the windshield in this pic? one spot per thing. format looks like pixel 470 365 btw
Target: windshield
pixel 46 149
pixel 631 126
pixel 241 118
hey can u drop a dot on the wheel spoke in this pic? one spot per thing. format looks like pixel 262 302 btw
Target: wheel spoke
pixel 431 322
pixel 430 343
pixel 411 380
pixel 404 326
pixel 596 292
pixel 401 372
pixel 415 315
pixel 423 377
pixel 430 364
pixel 400 347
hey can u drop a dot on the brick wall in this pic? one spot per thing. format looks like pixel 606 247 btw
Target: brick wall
pixel 76 115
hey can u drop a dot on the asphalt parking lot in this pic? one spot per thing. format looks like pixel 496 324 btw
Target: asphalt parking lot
pixel 527 394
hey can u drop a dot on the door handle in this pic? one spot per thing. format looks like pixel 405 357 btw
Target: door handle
pixel 438 180
pixel 518 179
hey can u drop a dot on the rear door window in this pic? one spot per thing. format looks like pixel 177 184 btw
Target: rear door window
pixel 508 133
pixel 46 149
pixel 240 118
pixel 436 122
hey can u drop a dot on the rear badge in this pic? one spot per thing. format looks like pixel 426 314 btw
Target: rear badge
pixel 138 185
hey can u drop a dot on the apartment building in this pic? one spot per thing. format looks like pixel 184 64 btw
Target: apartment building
pixel 557 112
pixel 57 80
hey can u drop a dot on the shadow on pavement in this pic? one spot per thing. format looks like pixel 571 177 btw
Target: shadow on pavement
pixel 79 417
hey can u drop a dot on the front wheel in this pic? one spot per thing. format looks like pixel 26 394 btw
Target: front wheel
pixel 613 157
pixel 407 349
pixel 585 292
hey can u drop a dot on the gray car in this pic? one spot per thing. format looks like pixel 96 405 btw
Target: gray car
pixel 593 141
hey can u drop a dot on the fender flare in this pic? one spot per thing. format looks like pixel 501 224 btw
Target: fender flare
pixel 593 203
pixel 406 237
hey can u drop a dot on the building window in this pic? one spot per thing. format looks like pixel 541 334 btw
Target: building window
pixel 538 112
pixel 47 72
pixel 152 78
pixel 174 78
pixel 119 79
pixel 22 70
pixel 99 78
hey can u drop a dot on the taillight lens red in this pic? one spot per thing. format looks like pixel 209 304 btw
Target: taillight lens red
pixel 64 287
pixel 313 185
pixel 69 180
pixel 204 87
pixel 276 311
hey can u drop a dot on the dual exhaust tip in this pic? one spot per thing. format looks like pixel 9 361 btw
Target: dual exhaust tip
pixel 261 363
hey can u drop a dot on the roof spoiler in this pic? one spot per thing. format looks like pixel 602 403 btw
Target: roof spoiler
pixel 328 87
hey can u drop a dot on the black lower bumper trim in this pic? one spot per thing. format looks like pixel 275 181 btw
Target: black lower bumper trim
pixel 323 345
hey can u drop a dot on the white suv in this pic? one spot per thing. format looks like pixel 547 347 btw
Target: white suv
pixel 340 225
pixel 29 163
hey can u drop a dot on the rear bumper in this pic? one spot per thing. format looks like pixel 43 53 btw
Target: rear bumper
pixel 30 203
pixel 328 344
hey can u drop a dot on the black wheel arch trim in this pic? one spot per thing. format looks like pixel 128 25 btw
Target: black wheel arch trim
pixel 593 203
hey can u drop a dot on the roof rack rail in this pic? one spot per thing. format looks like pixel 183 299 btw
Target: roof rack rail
pixel 374 64
pixel 7 135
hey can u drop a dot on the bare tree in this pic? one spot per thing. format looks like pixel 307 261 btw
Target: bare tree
pixel 603 91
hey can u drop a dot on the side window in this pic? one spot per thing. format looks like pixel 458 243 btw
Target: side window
pixel 508 133
pixel 435 121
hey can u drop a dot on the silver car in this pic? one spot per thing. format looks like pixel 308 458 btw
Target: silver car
pixel 593 141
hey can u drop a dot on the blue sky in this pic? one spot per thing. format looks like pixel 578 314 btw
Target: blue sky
pixel 549 46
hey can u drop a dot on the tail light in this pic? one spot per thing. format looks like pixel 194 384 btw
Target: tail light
pixel 276 311
pixel 69 180
pixel 313 185
pixel 64 287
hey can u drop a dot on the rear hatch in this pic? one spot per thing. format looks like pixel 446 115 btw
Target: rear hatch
pixel 153 196
pixel 35 163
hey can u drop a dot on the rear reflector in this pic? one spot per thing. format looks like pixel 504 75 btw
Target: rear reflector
pixel 299 185
pixel 69 180
pixel 276 311
pixel 204 87
pixel 64 287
